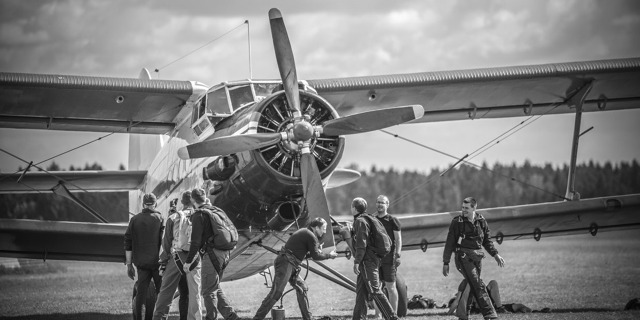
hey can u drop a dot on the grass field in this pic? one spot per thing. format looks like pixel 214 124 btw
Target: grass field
pixel 578 277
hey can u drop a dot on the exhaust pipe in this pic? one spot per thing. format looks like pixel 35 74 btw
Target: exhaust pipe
pixel 286 214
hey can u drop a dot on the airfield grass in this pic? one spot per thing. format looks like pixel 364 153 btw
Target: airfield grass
pixel 577 277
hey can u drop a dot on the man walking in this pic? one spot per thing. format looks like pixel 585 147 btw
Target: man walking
pixel 287 267
pixel 142 248
pixel 468 234
pixel 214 261
pixel 366 265
pixel 177 238
pixel 390 262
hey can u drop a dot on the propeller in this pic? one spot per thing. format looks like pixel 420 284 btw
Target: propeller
pixel 286 62
pixel 315 197
pixel 371 120
pixel 230 144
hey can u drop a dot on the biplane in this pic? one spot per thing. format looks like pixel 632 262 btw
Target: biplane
pixel 270 148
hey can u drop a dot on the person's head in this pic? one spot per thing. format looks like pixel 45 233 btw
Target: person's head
pixel 318 226
pixel 469 205
pixel 186 198
pixel 149 201
pixel 382 204
pixel 358 206
pixel 198 196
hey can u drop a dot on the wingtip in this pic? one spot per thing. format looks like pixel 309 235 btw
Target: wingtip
pixel 274 13
pixel 418 111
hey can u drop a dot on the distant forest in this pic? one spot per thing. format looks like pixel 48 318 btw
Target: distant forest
pixel 408 191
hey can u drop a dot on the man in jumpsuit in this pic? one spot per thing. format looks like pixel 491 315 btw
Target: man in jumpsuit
pixel 175 247
pixel 302 243
pixel 468 233
pixel 366 265
pixel 214 261
pixel 142 248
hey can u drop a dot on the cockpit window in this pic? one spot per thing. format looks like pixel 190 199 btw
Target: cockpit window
pixel 240 95
pixel 218 103
pixel 265 89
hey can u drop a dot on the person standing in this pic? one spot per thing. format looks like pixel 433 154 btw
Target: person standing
pixel 468 234
pixel 366 265
pixel 304 242
pixel 142 248
pixel 214 260
pixel 390 262
pixel 175 245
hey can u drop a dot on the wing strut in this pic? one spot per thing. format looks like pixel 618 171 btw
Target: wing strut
pixel 62 190
pixel 577 99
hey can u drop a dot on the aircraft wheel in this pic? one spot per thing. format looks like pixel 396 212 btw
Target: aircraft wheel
pixel 401 286
pixel 150 303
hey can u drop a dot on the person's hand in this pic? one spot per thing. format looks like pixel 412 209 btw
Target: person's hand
pixel 186 266
pixel 333 254
pixel 445 270
pixel 396 261
pixel 161 269
pixel 499 260
pixel 131 272
pixel 356 269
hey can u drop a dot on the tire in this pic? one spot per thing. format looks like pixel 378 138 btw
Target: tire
pixel 149 304
pixel 401 286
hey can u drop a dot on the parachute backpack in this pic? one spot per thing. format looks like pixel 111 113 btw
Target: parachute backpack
pixel 378 235
pixel 225 234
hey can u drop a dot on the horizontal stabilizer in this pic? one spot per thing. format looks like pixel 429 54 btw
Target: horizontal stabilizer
pixel 74 181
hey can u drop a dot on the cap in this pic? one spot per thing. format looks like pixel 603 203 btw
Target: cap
pixel 149 199
pixel 199 195
pixel 360 205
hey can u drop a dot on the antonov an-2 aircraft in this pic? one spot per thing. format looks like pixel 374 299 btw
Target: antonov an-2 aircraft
pixel 271 147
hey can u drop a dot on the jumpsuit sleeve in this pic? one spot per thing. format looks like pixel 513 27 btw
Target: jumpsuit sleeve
pixel 315 252
pixel 362 234
pixel 167 241
pixel 486 242
pixel 450 243
pixel 127 237
pixel 196 235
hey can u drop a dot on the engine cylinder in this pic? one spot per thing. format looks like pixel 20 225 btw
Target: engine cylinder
pixel 220 169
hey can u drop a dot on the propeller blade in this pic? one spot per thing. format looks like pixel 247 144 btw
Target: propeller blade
pixel 286 62
pixel 228 145
pixel 372 120
pixel 316 200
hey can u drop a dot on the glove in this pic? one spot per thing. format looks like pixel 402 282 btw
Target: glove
pixel 131 272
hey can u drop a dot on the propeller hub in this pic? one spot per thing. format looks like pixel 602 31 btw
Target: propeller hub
pixel 303 131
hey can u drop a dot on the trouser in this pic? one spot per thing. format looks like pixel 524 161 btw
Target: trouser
pixel 213 263
pixel 144 278
pixel 368 287
pixel 190 291
pixel 470 267
pixel 466 299
pixel 285 271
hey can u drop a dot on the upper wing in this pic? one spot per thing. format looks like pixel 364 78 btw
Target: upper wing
pixel 79 103
pixel 73 180
pixel 536 220
pixel 492 92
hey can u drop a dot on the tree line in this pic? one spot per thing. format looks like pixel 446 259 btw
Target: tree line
pixel 408 191
pixel 496 186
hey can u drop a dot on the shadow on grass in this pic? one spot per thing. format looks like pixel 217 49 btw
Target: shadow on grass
pixel 74 316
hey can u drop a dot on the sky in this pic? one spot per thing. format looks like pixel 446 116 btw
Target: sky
pixel 206 41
